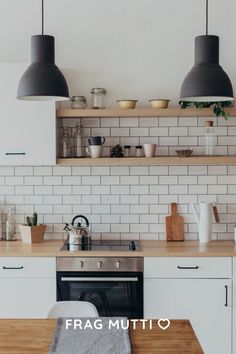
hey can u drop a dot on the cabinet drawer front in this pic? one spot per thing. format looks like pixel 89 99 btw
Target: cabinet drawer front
pixel 27 267
pixel 187 267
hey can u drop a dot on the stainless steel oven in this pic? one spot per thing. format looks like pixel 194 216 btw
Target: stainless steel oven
pixel 113 285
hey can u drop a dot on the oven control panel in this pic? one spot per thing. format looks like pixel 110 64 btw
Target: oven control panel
pixel 103 264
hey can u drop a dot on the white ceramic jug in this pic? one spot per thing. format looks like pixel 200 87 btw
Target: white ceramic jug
pixel 204 221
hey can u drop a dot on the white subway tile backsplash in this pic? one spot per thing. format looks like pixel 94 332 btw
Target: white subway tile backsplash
pixel 129 122
pixel 34 180
pixel 33 199
pixel 91 180
pixel 120 132
pixel 44 190
pixel 100 170
pixel 109 122
pixel 40 171
pixel 159 131
pixel 125 202
pixel 11 181
pixel 81 171
pixel 129 180
pixel 168 122
pixel 178 131
pixel 158 189
pixel 24 171
pixel 207 180
pixel 139 170
pixel 148 122
pixel 110 199
pixel 91 199
pixel 7 171
pixel 120 170
pixel 139 132
pixel 52 199
pixel 49 180
pixel 102 190
pixel 168 180
pixel 72 180
pixel 140 209
pixel 110 180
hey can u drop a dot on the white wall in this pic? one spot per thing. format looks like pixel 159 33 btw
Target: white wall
pixel 135 48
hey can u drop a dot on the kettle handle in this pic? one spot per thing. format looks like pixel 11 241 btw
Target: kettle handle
pixel 82 217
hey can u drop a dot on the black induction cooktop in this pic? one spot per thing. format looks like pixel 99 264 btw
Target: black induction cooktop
pixel 104 245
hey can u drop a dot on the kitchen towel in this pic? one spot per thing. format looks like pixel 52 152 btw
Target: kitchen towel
pixel 89 340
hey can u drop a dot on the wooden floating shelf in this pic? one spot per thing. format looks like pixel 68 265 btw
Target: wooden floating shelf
pixel 158 160
pixel 139 112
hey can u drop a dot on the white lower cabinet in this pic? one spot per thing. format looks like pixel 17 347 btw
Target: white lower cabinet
pixel 27 286
pixel 206 302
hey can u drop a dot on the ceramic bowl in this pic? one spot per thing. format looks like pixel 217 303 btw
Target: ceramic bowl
pixel 127 104
pixel 159 103
pixel 184 153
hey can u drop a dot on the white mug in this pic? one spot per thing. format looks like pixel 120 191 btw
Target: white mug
pixel 94 151
pixel 149 150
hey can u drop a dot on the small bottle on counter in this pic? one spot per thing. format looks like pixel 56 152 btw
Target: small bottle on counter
pixel 127 150
pixel 78 140
pixel 138 150
pixel 209 137
pixel 98 98
pixel 10 226
pixel 65 143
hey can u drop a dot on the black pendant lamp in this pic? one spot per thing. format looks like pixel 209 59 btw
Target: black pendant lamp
pixel 43 81
pixel 207 81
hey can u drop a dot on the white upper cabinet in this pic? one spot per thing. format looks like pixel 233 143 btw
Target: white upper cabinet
pixel 27 128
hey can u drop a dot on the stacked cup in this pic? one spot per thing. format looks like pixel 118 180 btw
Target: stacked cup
pixel 95 146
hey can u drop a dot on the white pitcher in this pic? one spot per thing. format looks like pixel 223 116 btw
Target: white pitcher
pixel 204 221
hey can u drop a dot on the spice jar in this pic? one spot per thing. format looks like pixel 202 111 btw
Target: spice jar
pixel 138 151
pixel 127 150
pixel 78 102
pixel 98 98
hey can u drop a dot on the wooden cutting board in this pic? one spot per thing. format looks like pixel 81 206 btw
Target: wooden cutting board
pixel 174 225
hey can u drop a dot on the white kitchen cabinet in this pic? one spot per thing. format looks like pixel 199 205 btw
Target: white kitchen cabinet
pixel 206 302
pixel 28 133
pixel 234 305
pixel 27 286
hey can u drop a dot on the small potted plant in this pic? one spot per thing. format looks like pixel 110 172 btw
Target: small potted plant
pixel 31 232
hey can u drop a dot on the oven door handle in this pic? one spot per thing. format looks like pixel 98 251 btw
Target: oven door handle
pixel 98 279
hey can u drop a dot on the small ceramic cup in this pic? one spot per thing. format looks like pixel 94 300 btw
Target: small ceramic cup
pixel 94 151
pixel 149 150
pixel 96 140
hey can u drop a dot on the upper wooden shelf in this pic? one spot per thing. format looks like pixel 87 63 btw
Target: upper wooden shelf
pixel 158 160
pixel 139 112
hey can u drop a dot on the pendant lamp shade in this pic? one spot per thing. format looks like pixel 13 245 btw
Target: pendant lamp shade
pixel 43 81
pixel 207 81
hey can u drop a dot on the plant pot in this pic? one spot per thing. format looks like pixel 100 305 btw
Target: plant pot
pixel 32 234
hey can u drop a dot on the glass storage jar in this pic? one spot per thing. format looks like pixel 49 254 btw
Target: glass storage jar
pixel 138 150
pixel 98 98
pixel 78 102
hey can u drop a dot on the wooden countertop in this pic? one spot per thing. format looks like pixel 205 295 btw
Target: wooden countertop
pixel 34 337
pixel 51 248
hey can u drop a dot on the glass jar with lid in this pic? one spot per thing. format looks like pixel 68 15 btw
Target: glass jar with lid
pixel 98 98
pixel 78 102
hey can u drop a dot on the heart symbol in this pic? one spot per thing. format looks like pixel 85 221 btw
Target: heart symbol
pixel 163 323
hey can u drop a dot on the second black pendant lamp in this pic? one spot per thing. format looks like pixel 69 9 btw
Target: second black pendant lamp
pixel 207 81
pixel 43 81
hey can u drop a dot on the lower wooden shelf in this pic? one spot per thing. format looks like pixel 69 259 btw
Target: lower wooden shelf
pixel 157 160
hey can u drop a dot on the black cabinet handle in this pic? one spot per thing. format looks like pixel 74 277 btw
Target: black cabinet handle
pixel 12 267
pixel 15 153
pixel 180 267
pixel 226 295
